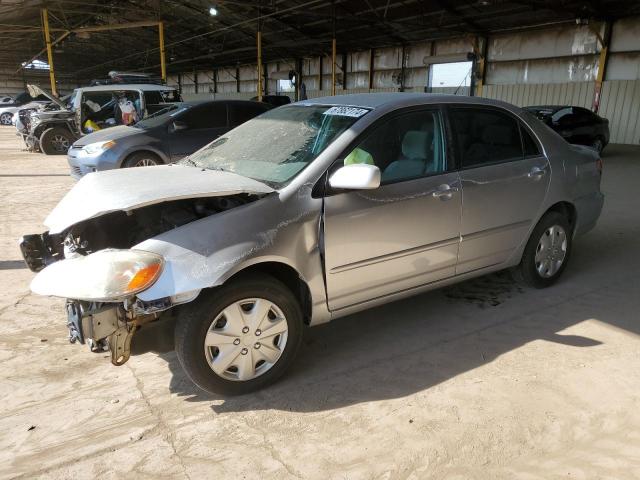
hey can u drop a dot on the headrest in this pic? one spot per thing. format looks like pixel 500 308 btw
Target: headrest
pixel 416 144
pixel 497 135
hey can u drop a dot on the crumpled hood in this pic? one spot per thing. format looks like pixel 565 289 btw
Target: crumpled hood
pixel 111 133
pixel 125 189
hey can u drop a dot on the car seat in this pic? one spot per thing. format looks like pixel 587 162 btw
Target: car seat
pixel 416 150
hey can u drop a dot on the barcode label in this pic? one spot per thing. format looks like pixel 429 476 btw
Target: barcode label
pixel 346 111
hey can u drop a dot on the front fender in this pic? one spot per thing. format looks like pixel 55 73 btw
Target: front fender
pixel 207 252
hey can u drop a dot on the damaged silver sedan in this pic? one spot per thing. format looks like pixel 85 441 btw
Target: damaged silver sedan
pixel 304 214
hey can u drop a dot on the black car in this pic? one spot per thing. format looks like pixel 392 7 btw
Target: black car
pixel 164 137
pixel 275 100
pixel 575 124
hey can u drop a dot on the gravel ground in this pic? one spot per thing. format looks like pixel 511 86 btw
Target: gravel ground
pixel 481 380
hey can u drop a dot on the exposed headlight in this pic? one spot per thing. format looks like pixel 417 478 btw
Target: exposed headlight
pixel 107 275
pixel 98 147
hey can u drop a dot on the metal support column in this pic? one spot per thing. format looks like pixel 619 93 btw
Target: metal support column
pixel 602 65
pixel 259 65
pixel 47 39
pixel 163 60
pixel 371 57
pixel 479 66
pixel 333 66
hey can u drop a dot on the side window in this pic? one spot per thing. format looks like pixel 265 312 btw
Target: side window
pixel 531 148
pixel 405 147
pixel 152 98
pixel 206 116
pixel 241 112
pixel 485 136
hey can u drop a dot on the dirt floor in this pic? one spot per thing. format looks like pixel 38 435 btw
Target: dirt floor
pixel 482 380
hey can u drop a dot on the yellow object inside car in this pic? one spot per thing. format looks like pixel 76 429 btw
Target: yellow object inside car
pixel 358 156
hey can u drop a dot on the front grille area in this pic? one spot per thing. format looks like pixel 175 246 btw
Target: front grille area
pixel 76 170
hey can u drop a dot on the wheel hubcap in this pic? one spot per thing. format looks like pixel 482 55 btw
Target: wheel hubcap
pixel 551 251
pixel 246 339
pixel 60 143
pixel 4 119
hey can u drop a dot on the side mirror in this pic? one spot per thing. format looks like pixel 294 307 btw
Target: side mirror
pixel 178 125
pixel 356 177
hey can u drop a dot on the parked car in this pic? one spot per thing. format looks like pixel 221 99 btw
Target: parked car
pixel 575 124
pixel 307 213
pixel 93 108
pixel 22 120
pixel 167 136
pixel 275 100
pixel 7 111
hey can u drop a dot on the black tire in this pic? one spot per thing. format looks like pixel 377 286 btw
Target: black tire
pixel 195 319
pixel 56 141
pixel 527 271
pixel 598 144
pixel 5 118
pixel 139 159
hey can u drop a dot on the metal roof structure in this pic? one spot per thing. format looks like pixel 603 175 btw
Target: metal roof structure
pixel 290 29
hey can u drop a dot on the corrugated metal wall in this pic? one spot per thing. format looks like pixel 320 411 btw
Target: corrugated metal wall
pixel 569 93
pixel 620 103
pixel 554 65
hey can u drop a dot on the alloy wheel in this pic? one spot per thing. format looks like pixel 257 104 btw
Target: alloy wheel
pixel 145 162
pixel 551 251
pixel 60 143
pixel 246 339
pixel 5 119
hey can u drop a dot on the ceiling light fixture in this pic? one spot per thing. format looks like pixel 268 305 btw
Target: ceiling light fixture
pixel 213 11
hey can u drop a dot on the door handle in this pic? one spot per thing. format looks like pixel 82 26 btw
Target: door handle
pixel 444 192
pixel 536 173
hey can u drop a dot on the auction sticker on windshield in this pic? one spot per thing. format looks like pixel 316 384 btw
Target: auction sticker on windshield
pixel 346 111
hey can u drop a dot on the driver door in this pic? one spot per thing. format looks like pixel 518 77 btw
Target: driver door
pixel 405 233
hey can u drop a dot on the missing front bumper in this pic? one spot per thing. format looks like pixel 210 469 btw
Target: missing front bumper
pixel 101 325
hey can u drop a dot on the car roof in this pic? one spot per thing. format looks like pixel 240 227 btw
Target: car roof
pixel 193 103
pixel 553 108
pixel 127 86
pixel 399 99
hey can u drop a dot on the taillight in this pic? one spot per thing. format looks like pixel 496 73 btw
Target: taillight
pixel 599 165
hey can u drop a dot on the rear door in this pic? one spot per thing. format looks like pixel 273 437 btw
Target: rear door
pixel 504 182
pixel 204 123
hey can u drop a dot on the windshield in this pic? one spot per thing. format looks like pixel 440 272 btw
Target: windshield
pixel 275 146
pixel 161 116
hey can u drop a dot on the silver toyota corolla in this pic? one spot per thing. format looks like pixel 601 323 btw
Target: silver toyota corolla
pixel 304 214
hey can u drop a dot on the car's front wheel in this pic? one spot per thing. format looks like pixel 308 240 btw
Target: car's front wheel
pixel 5 118
pixel 239 337
pixel 55 141
pixel 547 252
pixel 142 159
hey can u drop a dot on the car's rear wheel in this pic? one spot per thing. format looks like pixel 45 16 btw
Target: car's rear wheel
pixel 598 145
pixel 547 252
pixel 239 337
pixel 142 159
pixel 55 141
pixel 5 118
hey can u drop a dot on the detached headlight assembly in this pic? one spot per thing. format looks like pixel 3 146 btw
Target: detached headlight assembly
pixel 98 147
pixel 107 275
